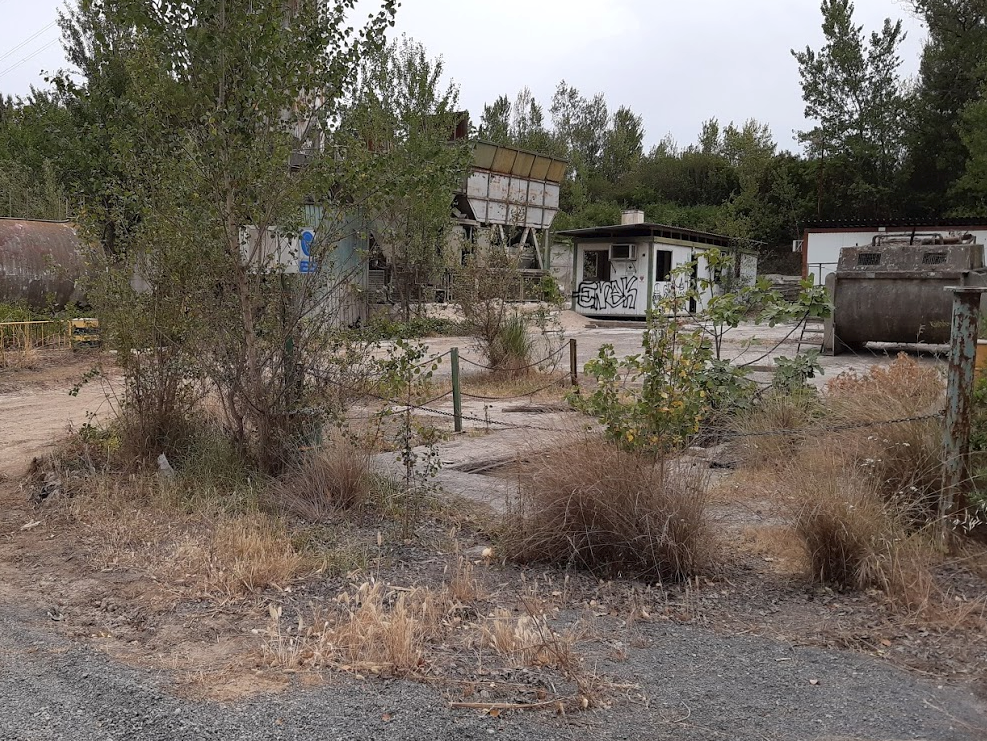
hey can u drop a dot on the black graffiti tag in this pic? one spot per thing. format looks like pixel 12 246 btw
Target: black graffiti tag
pixel 614 294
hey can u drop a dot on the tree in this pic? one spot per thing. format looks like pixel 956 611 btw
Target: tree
pixel 403 122
pixel 852 91
pixel 970 190
pixel 623 144
pixel 236 100
pixel 495 124
pixel 952 71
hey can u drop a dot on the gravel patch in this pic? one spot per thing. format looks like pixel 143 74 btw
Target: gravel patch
pixel 692 685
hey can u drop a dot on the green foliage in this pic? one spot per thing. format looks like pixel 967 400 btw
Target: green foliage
pixel 792 374
pixel 398 138
pixel 661 399
pixel 853 92
pixel 511 349
pixel 407 369
pixel 384 328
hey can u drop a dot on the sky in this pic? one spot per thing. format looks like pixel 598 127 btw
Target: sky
pixel 674 63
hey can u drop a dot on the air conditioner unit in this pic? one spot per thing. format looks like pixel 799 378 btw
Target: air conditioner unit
pixel 797 245
pixel 623 252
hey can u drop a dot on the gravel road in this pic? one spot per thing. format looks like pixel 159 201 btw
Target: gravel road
pixel 698 685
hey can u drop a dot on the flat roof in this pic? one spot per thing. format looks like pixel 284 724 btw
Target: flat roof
pixel 965 221
pixel 633 231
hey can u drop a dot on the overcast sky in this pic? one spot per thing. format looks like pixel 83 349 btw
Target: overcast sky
pixel 675 63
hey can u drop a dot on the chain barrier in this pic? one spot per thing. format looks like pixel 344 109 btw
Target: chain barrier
pixel 726 435
pixel 524 367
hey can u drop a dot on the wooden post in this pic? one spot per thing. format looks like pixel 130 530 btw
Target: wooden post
pixel 573 365
pixel 457 397
pixel 959 400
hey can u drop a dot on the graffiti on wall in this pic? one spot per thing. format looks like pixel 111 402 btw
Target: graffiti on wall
pixel 620 293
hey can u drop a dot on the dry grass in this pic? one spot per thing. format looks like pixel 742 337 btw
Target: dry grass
pixel 331 480
pixel 855 537
pixel 206 546
pixel 903 459
pixel 371 628
pixel 591 505
pixel 250 553
pixel 464 586
pixel 528 640
pixel 790 412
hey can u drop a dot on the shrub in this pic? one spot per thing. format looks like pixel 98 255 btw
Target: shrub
pixel 853 535
pixel 330 480
pixel 595 506
pixel 510 352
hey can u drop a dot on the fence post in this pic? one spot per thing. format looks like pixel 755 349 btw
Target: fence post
pixel 573 365
pixel 457 397
pixel 959 399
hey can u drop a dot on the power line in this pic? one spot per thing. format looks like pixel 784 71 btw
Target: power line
pixel 26 41
pixel 28 57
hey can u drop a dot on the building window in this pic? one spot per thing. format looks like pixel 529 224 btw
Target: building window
pixel 663 265
pixel 596 266
pixel 869 258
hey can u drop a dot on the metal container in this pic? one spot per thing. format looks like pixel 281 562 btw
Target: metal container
pixel 41 263
pixel 894 291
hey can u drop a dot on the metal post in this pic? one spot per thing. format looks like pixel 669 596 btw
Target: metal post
pixel 457 397
pixel 959 398
pixel 573 365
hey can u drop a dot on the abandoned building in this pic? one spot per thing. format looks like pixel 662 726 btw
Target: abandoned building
pixel 622 271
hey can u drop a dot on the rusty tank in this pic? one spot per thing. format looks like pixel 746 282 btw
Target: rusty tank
pixel 41 263
pixel 894 290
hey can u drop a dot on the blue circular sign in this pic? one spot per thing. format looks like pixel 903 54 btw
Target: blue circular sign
pixel 308 236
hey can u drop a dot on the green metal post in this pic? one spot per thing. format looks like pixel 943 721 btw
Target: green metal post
pixel 573 365
pixel 959 398
pixel 457 397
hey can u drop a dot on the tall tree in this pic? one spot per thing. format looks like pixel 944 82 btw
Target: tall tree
pixel 623 144
pixel 952 71
pixel 853 93
pixel 406 115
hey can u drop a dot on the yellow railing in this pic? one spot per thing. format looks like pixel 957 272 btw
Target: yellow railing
pixel 37 335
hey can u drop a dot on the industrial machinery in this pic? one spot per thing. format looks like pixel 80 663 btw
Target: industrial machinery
pixel 41 263
pixel 893 290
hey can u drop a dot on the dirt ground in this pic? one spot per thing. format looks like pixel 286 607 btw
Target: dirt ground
pixel 759 608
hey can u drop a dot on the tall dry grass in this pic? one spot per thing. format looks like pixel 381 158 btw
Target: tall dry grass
pixel 903 459
pixel 853 535
pixel 591 505
pixel 795 414
pixel 333 479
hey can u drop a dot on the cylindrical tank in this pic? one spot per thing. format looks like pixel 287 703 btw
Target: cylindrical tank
pixel 41 263
pixel 895 292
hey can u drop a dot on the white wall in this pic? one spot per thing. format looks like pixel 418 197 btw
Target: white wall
pixel 824 246
pixel 625 294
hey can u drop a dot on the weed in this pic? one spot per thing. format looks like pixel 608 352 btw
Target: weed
pixel 333 479
pixel 853 535
pixel 593 505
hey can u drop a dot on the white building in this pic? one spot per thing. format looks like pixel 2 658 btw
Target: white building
pixel 822 240
pixel 622 271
